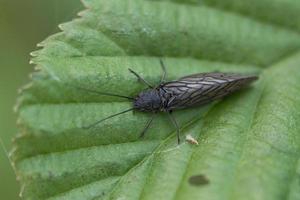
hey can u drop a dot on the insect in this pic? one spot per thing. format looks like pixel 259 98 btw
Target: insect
pixel 186 92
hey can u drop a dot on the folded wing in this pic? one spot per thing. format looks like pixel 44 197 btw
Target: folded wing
pixel 199 89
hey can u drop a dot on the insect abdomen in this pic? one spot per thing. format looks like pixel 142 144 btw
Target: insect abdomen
pixel 199 89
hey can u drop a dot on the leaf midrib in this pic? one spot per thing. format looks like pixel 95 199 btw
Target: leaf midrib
pixel 156 150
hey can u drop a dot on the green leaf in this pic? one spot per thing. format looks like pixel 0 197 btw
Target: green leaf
pixel 249 143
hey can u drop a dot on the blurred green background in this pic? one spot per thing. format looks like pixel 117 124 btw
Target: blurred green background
pixel 23 24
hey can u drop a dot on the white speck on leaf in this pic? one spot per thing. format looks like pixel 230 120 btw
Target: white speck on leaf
pixel 189 138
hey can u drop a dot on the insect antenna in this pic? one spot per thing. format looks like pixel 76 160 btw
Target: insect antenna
pixel 111 116
pixel 104 93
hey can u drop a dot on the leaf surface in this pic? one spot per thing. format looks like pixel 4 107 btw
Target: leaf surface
pixel 249 142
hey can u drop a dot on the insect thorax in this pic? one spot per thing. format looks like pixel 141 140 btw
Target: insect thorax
pixel 148 101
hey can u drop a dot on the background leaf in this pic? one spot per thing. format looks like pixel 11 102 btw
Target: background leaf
pixel 249 142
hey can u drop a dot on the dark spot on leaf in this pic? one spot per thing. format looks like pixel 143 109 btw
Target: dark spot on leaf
pixel 198 180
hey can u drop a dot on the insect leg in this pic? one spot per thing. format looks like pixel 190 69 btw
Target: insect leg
pixel 162 80
pixel 176 125
pixel 149 122
pixel 140 78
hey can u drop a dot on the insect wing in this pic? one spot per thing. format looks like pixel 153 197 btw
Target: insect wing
pixel 198 89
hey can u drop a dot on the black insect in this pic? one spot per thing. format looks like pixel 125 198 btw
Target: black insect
pixel 186 92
